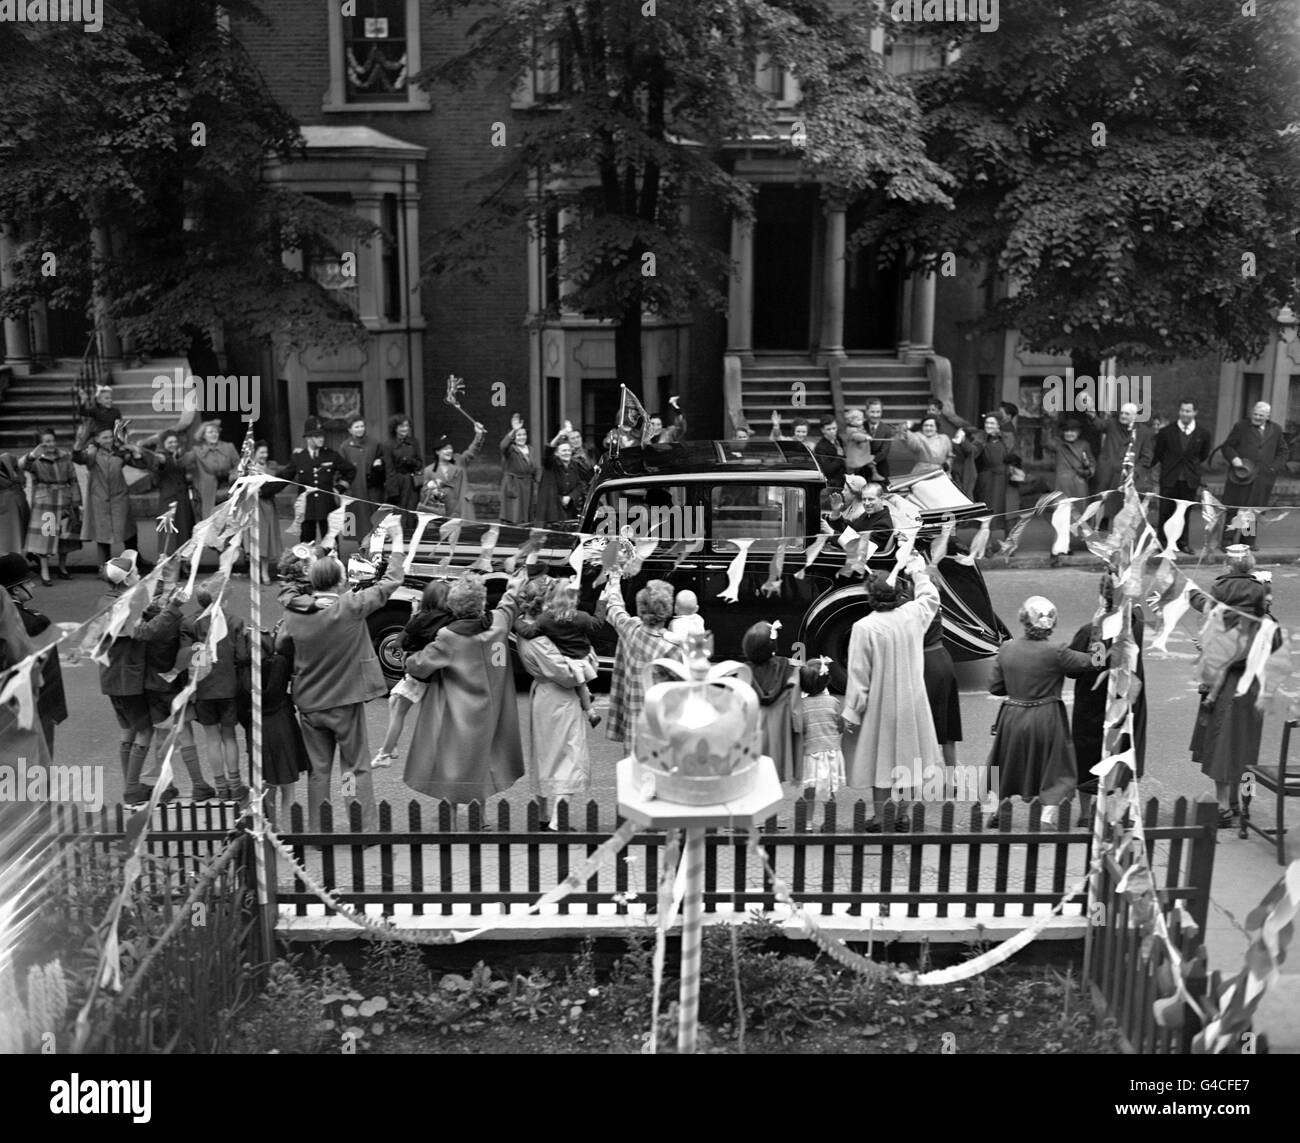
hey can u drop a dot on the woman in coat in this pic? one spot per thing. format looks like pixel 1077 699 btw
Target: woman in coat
pixel 559 762
pixel 171 469
pixel 930 449
pixel 566 474
pixel 55 526
pixel 445 483
pixel 403 461
pixel 465 742
pixel 1087 721
pixel 641 640
pixel 1075 467
pixel 211 463
pixel 993 453
pixel 1229 727
pixel 269 535
pixel 1032 754
pixel 14 510
pixel 941 690
pixel 108 504
pixel 890 739
pixel 519 475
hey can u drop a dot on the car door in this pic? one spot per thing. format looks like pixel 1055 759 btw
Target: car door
pixel 769 513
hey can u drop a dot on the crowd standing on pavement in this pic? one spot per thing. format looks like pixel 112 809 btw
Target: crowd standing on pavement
pixel 466 742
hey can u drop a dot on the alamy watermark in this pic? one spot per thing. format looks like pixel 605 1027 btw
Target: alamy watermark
pixel 175 392
pixel 87 12
pixel 946 12
pixel 668 524
pixel 1070 394
pixel 82 785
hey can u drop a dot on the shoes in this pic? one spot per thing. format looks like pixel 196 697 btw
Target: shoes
pixel 137 795
pixel 1055 561
pixel 202 792
pixel 169 795
pixel 873 826
pixel 222 792
pixel 382 759
pixel 237 793
pixel 63 573
pixel 1185 549
pixel 45 579
pixel 1225 819
pixel 594 718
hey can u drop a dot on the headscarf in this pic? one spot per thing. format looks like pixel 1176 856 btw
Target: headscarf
pixel 1038 613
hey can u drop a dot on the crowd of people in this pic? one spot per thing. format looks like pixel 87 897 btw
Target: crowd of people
pixel 319 669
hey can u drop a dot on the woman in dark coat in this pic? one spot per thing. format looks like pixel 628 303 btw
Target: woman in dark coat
pixel 520 473
pixel 1087 726
pixel 941 690
pixel 566 474
pixel 171 474
pixel 1228 727
pixel 1032 754
pixel 444 484
pixel 993 452
pixel 402 464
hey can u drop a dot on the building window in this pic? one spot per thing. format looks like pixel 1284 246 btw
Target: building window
pixel 775 81
pixel 374 51
pixel 552 78
pixel 911 53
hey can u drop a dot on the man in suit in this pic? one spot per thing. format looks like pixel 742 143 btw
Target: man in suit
pixel 1254 454
pixel 1126 446
pixel 1182 450
pixel 324 471
pixel 829 453
pixel 335 673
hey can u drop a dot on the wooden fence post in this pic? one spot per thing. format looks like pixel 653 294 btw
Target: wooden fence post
pixel 1200 867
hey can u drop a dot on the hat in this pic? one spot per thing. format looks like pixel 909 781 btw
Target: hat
pixel 13 570
pixel 1236 551
pixel 312 427
pixel 855 483
pixel 121 568
pixel 1038 612
pixel 442 442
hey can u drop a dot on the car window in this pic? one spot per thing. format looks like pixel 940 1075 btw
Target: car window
pixel 765 513
pixel 668 513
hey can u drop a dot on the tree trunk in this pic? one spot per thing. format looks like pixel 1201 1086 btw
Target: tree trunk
pixel 627 347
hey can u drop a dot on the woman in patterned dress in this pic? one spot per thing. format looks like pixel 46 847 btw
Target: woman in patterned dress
pixel 55 527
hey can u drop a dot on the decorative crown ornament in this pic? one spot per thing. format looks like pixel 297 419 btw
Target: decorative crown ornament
pixel 697 741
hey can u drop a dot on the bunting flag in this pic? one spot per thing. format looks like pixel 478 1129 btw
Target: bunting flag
pixel 1170 614
pixel 167 521
pixel 610 557
pixel 1243 522
pixel 939 546
pixel 1174 528
pixel 18 690
pixel 814 551
pixel 449 534
pixel 906 545
pixel 642 550
pixel 736 572
pixel 334 522
pixel 526 553
pixel 1211 511
pixel 633 423
pixel 1061 526
pixel 1261 647
pixel 487 547
pixel 775 572
pixel 1277 671
pixel 299 513
pixel 422 522
pixel 979 543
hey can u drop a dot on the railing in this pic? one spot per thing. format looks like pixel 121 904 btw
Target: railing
pixel 90 375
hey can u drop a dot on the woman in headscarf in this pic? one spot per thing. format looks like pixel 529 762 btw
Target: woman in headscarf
pixel 1032 754
pixel 559 762
pixel 776 682
pixel 171 470
pixel 1229 726
pixel 566 473
pixel 890 741
pixel 465 743
pixel 402 463
pixel 519 474
pixel 641 640
pixel 445 483
pixel 1091 691
pixel 930 449
pixel 55 526
pixel 210 464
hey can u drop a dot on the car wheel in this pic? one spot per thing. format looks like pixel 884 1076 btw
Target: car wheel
pixel 386 629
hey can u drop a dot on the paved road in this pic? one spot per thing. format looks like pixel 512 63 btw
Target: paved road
pixel 90 734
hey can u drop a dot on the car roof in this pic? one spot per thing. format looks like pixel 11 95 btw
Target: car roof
pixel 705 458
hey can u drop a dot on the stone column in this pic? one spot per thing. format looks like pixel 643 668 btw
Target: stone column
pixel 831 342
pixel 567 217
pixel 1286 354
pixel 18 348
pixel 40 326
pixel 740 290
pixel 921 326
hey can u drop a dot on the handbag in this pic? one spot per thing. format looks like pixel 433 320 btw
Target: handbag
pixel 1015 475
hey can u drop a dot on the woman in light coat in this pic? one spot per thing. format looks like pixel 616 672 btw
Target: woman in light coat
pixel 890 739
pixel 211 463
pixel 931 450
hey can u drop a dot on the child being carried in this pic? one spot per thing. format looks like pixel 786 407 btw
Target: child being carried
pixel 571 631
pixel 419 632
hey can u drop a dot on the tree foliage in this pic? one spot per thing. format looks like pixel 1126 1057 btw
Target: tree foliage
pixel 159 127
pixel 651 93
pixel 1131 167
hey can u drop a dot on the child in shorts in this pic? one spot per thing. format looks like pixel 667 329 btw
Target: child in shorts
pixel 420 629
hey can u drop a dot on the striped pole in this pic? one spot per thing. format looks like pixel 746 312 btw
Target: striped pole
pixel 688 1007
pixel 261 855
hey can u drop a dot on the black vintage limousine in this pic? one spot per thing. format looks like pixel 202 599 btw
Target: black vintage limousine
pixel 693 499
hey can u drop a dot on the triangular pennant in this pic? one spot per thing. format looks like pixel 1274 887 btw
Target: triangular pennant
pixel 736 572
